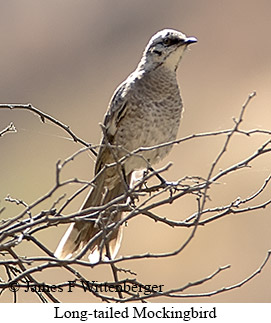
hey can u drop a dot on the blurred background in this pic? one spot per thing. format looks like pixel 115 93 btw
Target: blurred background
pixel 67 58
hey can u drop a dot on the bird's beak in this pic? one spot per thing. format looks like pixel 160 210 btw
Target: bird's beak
pixel 190 40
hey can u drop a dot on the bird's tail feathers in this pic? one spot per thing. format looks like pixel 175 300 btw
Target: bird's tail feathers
pixel 80 233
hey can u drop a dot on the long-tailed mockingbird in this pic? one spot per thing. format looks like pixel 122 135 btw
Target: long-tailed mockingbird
pixel 144 111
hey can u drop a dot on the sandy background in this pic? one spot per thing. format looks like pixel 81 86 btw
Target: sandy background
pixel 67 57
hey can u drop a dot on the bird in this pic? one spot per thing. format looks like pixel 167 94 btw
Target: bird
pixel 145 110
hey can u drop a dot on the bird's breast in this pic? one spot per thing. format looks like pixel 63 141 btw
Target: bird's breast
pixel 149 123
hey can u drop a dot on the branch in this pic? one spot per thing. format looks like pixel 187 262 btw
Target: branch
pixel 43 116
pixel 142 199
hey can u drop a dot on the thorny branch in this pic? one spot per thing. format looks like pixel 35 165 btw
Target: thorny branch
pixel 142 199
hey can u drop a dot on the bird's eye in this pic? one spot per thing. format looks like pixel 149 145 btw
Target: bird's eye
pixel 167 42
pixel 171 41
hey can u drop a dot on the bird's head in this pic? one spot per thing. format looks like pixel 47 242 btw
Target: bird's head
pixel 165 47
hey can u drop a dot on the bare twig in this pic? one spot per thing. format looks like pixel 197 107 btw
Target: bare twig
pixel 8 129
pixel 44 116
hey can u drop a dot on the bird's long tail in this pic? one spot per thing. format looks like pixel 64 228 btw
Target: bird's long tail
pixel 80 233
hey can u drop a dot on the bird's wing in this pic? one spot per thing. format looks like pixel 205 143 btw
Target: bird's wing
pixel 116 111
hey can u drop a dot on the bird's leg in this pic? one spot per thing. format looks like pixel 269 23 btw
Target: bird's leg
pixel 161 179
pixel 127 185
pixel 163 182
